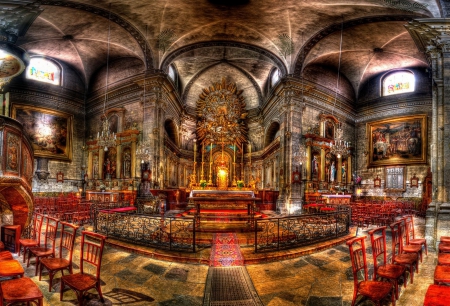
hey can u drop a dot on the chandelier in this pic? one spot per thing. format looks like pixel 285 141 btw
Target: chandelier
pixel 143 149
pixel 340 146
pixel 106 139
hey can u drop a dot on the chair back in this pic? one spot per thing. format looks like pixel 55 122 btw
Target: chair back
pixel 378 242
pixel 357 250
pixel 409 227
pixel 51 229
pixel 67 241
pixel 92 245
pixel 397 241
pixel 35 232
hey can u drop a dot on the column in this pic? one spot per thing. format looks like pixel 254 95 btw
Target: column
pixel 339 170
pixel 101 161
pixel 322 165
pixel 308 162
pixel 119 161
pixel 133 159
pixel 90 165
pixel 348 175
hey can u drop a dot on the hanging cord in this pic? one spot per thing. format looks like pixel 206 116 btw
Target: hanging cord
pixel 339 67
pixel 107 60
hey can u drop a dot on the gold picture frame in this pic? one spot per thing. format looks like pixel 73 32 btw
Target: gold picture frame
pixel 397 141
pixel 49 131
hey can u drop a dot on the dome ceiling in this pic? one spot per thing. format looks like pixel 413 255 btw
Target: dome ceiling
pixel 250 36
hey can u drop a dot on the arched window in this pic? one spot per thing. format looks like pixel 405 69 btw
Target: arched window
pixel 274 77
pixel 398 82
pixel 43 70
pixel 172 74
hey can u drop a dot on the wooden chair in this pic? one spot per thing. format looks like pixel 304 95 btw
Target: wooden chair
pixel 381 268
pixel 375 291
pixel 55 264
pixel 407 247
pixel 5 255
pixel 48 250
pixel 398 257
pixel 412 236
pixel 442 275
pixel 20 290
pixel 92 245
pixel 35 235
pixel 437 296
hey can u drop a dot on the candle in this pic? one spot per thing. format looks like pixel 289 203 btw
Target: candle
pixel 234 153
pixel 203 151
pixel 250 151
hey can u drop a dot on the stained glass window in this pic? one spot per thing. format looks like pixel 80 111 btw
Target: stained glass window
pixel 398 82
pixel 43 70
pixel 172 73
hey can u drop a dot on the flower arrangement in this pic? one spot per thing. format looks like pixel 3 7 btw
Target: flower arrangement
pixel 240 184
pixel 203 183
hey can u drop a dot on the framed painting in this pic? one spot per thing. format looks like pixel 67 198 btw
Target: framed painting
pixel 49 131
pixel 397 141
pixel 60 177
pixel 414 181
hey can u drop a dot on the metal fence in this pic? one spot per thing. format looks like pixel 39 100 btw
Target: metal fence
pixel 179 234
pixel 293 231
pixel 175 234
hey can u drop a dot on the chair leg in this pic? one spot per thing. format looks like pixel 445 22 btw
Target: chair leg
pixel 50 275
pixel 61 288
pixel 426 248
pixel 99 289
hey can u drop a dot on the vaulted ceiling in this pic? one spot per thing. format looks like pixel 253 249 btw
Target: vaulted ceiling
pixel 206 39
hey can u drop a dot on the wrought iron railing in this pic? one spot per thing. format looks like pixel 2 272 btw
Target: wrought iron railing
pixel 293 231
pixel 179 234
pixel 175 234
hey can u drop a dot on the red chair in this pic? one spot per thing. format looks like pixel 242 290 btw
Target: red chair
pixel 442 275
pixel 92 245
pixel 375 291
pixel 20 290
pixel 53 265
pixel 412 236
pixel 398 257
pixel 381 268
pixel 437 296
pixel 35 235
pixel 407 247
pixel 48 250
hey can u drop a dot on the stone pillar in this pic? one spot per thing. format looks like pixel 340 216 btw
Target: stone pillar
pixel 434 34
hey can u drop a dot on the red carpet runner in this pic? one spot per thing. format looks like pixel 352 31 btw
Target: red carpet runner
pixel 225 251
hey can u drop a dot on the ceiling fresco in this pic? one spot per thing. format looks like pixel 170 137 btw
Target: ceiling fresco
pixel 249 38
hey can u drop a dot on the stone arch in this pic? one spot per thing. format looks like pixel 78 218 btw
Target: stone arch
pixel 271 133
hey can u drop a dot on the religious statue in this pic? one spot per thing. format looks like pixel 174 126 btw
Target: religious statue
pixel 315 165
pixel 343 172
pixel 332 172
pixel 95 167
pixel 107 166
pixel 127 165
pixel 252 183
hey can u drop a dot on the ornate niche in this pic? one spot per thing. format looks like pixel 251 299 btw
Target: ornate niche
pixel 328 125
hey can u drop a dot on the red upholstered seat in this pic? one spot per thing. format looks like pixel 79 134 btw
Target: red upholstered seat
pixel 437 296
pixel 20 290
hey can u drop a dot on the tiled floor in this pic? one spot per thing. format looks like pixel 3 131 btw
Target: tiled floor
pixel 322 278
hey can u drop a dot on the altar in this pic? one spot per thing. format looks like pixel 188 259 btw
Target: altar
pixel 337 198
pixel 238 204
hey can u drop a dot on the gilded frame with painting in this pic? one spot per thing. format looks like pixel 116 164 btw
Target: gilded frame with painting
pixel 49 131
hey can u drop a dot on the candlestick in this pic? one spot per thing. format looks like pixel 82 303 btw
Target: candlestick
pixel 250 151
